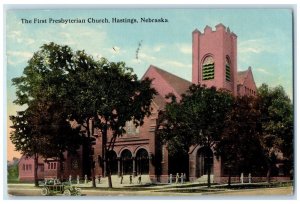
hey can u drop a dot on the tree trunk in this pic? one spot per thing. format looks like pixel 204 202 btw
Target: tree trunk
pixel 269 174
pixel 229 178
pixel 61 169
pixel 93 177
pixel 107 160
pixel 208 176
pixel 36 180
pixel 91 157
pixel 109 173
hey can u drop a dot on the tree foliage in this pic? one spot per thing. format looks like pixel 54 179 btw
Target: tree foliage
pixel 69 86
pixel 239 145
pixel 43 89
pixel 43 129
pixel 196 119
pixel 277 124
pixel 110 94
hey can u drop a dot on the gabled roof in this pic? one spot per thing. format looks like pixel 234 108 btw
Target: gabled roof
pixel 243 75
pixel 165 82
pixel 179 84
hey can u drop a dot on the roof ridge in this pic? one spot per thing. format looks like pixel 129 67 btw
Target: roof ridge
pixel 160 69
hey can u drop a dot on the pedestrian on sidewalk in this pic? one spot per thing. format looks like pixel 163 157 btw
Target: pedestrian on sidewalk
pixel 140 179
pixel 130 179
pixel 85 179
pixel 177 177
pixel 121 179
pixel 99 178
pixel 77 179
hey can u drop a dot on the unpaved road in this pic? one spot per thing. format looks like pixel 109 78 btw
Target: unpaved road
pixel 280 191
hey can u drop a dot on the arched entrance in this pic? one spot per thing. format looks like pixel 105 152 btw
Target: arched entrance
pixel 204 161
pixel 126 162
pixel 112 158
pixel 142 161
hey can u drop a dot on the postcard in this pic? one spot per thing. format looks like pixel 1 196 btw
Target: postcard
pixel 149 102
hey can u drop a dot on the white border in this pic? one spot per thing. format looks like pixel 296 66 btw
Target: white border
pixel 37 4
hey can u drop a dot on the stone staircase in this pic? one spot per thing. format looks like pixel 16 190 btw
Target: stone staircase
pixel 203 179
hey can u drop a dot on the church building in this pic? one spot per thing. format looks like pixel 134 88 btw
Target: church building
pixel 139 151
pixel 214 63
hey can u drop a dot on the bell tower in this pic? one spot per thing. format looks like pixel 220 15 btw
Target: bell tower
pixel 215 58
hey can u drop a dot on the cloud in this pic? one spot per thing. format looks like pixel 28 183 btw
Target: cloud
pixel 22 54
pixel 263 70
pixel 251 46
pixel 146 57
pixel 257 46
pixel 185 48
pixel 14 34
pixel 157 48
pixel 175 64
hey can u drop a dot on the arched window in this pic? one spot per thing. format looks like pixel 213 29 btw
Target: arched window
pixel 208 68
pixel 227 69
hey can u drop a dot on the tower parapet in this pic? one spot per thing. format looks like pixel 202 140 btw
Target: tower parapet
pixel 219 28
pixel 215 57
pixel 207 29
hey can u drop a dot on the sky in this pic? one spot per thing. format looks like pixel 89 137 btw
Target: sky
pixel 265 41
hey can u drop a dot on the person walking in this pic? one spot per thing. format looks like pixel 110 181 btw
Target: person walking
pixel 99 179
pixel 77 179
pixel 121 179
pixel 85 179
pixel 140 179
pixel 177 177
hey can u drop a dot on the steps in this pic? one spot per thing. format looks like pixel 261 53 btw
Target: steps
pixel 203 179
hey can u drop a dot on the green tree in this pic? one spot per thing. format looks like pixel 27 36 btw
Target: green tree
pixel 42 129
pixel 277 124
pixel 23 139
pixel 75 87
pixel 171 130
pixel 110 94
pixel 13 172
pixel 196 119
pixel 239 145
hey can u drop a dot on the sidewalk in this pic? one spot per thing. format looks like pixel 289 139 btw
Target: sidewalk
pixel 116 182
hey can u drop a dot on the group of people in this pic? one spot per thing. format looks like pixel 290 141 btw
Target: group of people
pixel 85 179
pixel 130 179
pixel 98 178
pixel 182 178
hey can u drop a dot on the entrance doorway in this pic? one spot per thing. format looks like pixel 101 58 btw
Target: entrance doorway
pixel 204 161
pixel 142 162
pixel 126 162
